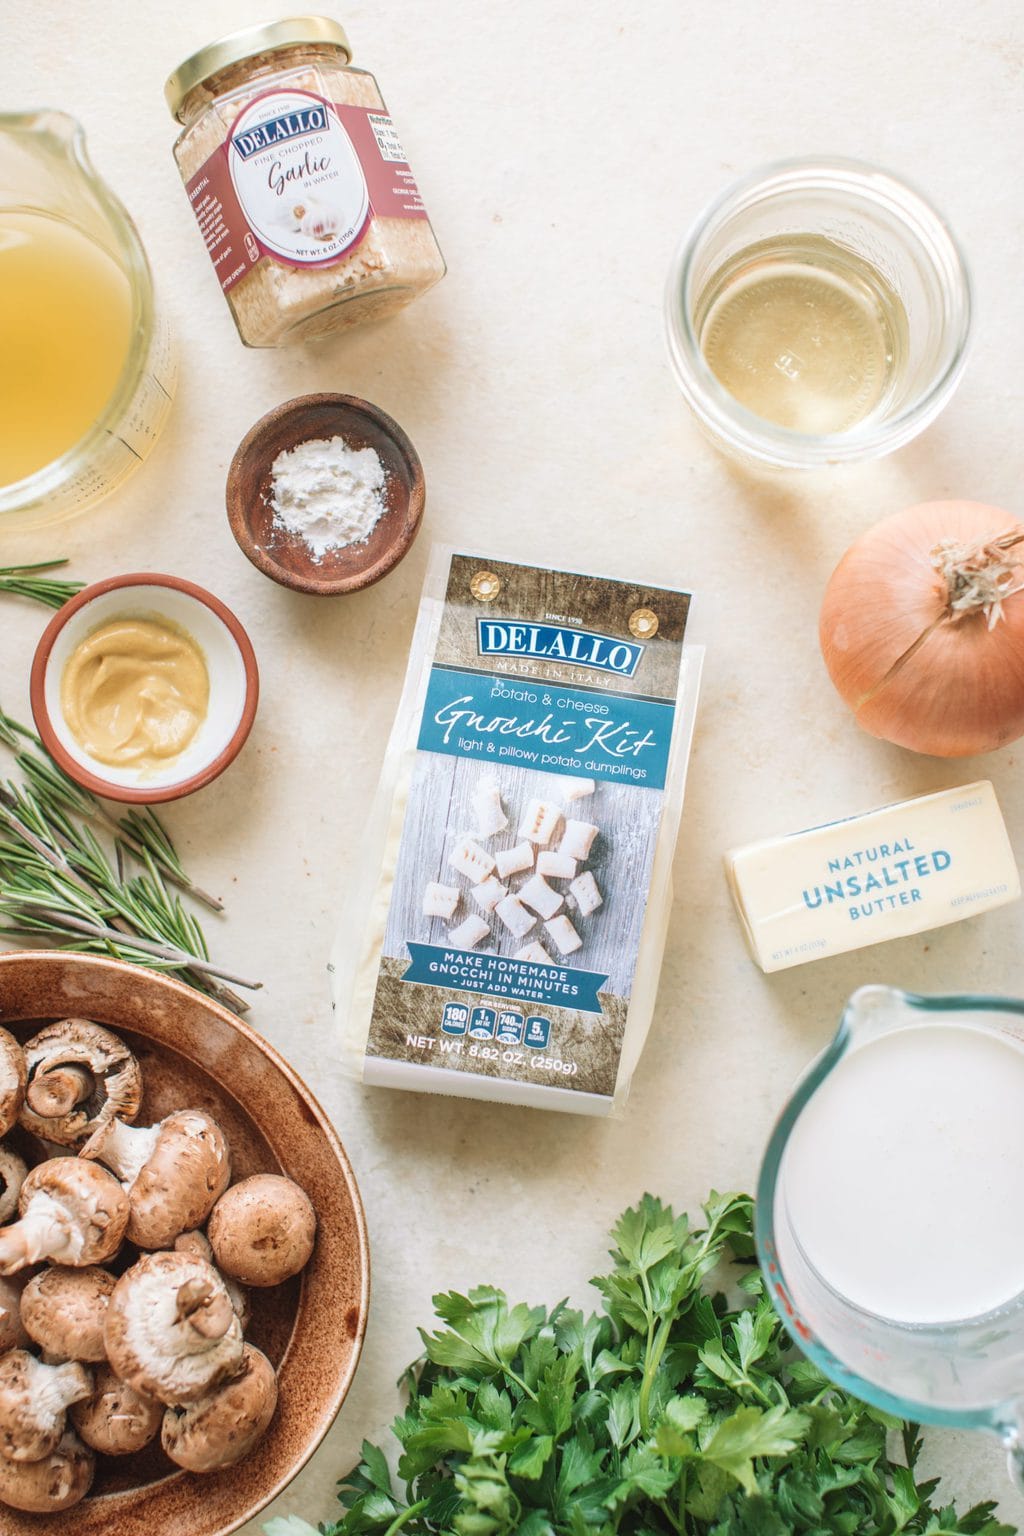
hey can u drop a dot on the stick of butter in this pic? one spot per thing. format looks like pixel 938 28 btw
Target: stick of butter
pixel 910 866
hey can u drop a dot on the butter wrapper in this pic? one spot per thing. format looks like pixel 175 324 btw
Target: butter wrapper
pixel 908 867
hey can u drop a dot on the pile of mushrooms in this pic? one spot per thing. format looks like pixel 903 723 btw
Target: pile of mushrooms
pixel 97 1360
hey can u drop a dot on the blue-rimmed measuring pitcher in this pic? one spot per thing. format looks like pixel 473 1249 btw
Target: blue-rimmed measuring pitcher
pixel 889 1210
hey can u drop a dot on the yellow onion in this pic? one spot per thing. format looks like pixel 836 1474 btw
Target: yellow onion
pixel 922 628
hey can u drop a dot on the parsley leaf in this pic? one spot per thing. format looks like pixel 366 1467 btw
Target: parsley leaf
pixel 669 1413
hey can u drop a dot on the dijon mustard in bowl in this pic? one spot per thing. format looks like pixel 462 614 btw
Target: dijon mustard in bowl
pixel 144 688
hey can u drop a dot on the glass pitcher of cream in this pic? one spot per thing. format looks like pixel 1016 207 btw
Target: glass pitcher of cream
pixel 889 1222
pixel 86 370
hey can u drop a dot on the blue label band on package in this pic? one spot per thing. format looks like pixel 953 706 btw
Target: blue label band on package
pixel 463 970
pixel 611 736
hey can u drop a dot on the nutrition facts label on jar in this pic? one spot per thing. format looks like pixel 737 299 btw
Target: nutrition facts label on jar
pixel 388 142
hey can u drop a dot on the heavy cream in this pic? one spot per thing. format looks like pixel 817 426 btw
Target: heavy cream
pixel 902 1174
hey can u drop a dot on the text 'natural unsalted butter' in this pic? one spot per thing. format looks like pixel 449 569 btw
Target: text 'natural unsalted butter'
pixel 910 866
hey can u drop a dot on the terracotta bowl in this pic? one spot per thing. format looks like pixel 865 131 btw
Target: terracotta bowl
pixel 230 664
pixel 193 1052
pixel 287 558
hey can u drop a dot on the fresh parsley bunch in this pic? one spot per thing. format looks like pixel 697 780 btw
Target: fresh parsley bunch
pixel 671 1412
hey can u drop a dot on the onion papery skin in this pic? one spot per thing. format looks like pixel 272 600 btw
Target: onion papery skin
pixel 962 691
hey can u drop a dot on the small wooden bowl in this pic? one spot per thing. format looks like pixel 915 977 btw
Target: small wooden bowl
pixel 193 1052
pixel 286 557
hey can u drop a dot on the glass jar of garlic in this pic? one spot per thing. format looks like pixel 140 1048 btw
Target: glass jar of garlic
pixel 299 183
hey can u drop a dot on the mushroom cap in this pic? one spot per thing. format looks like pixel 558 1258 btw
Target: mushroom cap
pixel 222 1427
pixel 64 1310
pixel 12 1329
pixel 72 1211
pixel 12 1176
pixel 262 1230
pixel 116 1419
pixel 196 1243
pixel 13 1076
pixel 58 1481
pixel 186 1168
pixel 34 1399
pixel 171 1331
pixel 79 1076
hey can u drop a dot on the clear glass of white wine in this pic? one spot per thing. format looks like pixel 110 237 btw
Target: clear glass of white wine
pixel 818 312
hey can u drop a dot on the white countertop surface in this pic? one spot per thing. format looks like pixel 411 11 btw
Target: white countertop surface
pixel 561 150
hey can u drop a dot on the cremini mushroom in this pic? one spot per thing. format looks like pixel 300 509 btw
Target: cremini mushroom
pixel 12 1329
pixel 219 1429
pixel 262 1230
pixel 72 1212
pixel 13 1074
pixel 79 1077
pixel 64 1310
pixel 116 1419
pixel 12 1176
pixel 174 1172
pixel 34 1399
pixel 199 1244
pixel 58 1481
pixel 171 1331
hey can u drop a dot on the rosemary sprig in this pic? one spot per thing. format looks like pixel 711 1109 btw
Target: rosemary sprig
pixel 57 878
pixel 23 582
pixel 141 832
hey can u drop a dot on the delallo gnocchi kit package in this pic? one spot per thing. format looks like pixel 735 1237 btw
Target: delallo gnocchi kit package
pixel 506 938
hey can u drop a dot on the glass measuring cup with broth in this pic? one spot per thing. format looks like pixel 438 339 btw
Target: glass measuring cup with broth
pixel 888 1210
pixel 817 312
pixel 88 374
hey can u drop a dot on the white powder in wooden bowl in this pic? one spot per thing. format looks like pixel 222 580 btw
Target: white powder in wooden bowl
pixel 327 494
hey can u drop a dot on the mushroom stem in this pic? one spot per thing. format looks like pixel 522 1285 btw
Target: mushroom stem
pixel 208 1310
pixel 149 1335
pixel 59 1091
pixel 72 1212
pixel 125 1149
pixel 34 1399
pixel 198 1245
pixel 79 1076
pixel 42 1230
pixel 173 1172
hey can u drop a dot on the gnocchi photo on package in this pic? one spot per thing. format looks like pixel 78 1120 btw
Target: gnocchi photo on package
pixel 505 937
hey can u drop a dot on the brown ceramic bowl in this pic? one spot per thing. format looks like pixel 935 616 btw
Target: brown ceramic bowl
pixel 193 1052
pixel 230 664
pixel 286 557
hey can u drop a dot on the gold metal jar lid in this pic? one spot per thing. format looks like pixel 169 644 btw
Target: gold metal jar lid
pixel 244 44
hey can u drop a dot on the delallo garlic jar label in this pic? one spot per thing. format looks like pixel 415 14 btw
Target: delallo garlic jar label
pixel 532 796
pixel 298 178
